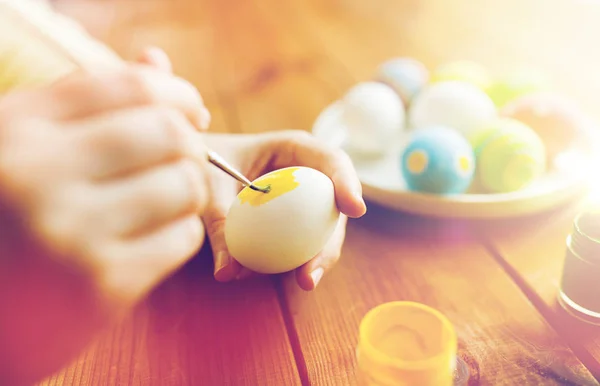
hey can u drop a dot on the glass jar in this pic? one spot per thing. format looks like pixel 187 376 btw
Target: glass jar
pixel 580 283
pixel 406 343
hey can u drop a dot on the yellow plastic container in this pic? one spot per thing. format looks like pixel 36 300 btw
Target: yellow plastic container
pixel 406 344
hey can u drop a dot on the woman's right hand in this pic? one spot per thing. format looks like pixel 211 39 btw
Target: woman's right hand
pixel 102 184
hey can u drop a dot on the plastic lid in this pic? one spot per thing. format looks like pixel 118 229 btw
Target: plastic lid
pixel 407 343
pixel 585 239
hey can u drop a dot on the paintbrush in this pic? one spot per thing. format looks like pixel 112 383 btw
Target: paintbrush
pixel 216 160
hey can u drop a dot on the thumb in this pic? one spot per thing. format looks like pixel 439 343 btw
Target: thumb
pixel 222 193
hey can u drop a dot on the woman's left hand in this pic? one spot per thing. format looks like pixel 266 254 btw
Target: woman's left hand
pixel 257 154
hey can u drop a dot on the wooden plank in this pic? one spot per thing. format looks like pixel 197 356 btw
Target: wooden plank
pixel 557 38
pixel 503 339
pixel 179 27
pixel 193 331
pixel 533 252
pixel 276 64
pixel 276 77
pixel 420 29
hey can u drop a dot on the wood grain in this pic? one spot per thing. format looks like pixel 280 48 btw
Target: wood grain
pixel 389 257
pixel 504 341
pixel 267 65
pixel 193 331
pixel 533 252
pixel 555 38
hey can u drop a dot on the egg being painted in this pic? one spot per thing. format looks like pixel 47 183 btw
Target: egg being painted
pixel 438 160
pixel 281 230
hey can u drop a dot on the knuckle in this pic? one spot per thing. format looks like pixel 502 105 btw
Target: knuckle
pixel 22 170
pixel 105 140
pixel 113 276
pixel 340 156
pixel 174 127
pixel 215 223
pixel 297 136
pixel 195 182
pixel 139 84
pixel 292 142
pixel 114 281
pixel 59 231
pixel 195 236
pixel 101 256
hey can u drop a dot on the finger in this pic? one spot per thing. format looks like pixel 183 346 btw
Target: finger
pixel 126 141
pixel 309 275
pixel 157 58
pixel 222 193
pixel 301 148
pixel 134 86
pixel 151 199
pixel 141 263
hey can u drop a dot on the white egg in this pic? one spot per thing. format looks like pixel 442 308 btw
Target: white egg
pixel 373 116
pixel 459 105
pixel 281 230
pixel 406 76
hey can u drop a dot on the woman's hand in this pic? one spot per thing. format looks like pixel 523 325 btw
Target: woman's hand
pixel 257 154
pixel 102 184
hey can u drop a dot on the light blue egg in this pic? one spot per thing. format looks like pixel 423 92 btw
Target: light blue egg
pixel 438 160
pixel 406 76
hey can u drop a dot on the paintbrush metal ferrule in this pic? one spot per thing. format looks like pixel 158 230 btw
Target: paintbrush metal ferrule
pixel 219 162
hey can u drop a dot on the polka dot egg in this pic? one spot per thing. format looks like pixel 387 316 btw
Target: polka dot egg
pixel 438 160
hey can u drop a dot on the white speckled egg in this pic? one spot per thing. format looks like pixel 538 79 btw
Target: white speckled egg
pixel 281 230
pixel 406 76
pixel 459 105
pixel 373 116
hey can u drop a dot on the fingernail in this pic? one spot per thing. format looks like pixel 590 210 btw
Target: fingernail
pixel 221 261
pixel 359 198
pixel 316 276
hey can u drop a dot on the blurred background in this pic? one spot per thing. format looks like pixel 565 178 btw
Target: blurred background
pixel 272 64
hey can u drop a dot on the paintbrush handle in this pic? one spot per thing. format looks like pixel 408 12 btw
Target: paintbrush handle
pixel 219 162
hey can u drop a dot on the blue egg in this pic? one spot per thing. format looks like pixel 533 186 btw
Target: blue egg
pixel 406 76
pixel 438 160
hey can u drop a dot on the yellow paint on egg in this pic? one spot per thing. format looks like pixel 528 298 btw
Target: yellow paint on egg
pixel 417 162
pixel 464 164
pixel 281 182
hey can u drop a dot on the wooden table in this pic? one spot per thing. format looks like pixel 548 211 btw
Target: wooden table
pixel 272 64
